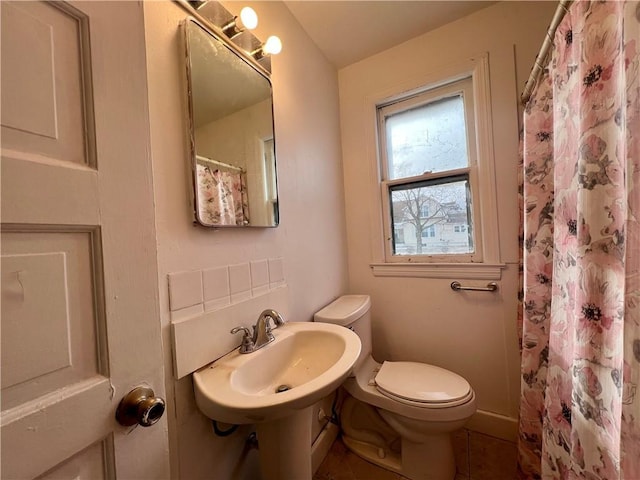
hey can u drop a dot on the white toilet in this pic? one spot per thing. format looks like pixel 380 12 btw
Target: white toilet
pixel 399 415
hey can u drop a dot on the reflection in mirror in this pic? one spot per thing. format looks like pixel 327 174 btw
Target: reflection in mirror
pixel 232 140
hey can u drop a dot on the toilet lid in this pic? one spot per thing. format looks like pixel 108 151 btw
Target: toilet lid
pixel 423 384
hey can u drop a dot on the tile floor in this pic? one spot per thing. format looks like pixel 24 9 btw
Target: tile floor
pixel 341 464
pixel 478 457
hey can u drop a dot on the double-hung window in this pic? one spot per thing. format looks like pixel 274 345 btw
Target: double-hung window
pixel 430 189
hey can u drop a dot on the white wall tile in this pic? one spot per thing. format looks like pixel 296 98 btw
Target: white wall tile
pixel 217 303
pixel 276 272
pixel 240 296
pixel 187 312
pixel 239 282
pixel 259 273
pixel 215 283
pixel 217 292
pixel 185 289
pixel 259 277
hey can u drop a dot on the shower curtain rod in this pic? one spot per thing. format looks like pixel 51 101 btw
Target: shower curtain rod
pixel 541 59
pixel 201 158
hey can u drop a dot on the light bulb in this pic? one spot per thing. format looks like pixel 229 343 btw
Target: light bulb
pixel 249 18
pixel 272 46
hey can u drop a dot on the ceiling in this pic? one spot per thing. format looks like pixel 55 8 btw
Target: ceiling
pixel 349 31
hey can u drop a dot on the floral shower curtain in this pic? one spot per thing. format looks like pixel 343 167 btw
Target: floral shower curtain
pixel 580 399
pixel 222 197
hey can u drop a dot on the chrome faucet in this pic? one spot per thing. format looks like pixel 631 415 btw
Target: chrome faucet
pixel 261 331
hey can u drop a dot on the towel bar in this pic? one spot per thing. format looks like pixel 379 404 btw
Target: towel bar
pixel 491 287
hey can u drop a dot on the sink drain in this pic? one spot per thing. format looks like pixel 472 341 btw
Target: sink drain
pixel 283 388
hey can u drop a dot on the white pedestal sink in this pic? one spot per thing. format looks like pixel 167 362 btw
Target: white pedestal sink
pixel 308 361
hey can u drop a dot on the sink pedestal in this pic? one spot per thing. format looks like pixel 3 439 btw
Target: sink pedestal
pixel 285 446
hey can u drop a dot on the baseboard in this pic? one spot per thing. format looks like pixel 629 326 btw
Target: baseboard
pixel 494 424
pixel 322 445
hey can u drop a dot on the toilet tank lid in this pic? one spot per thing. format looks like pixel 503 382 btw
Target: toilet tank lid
pixel 344 310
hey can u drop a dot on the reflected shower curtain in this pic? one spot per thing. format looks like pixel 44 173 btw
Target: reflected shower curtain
pixel 580 399
pixel 222 198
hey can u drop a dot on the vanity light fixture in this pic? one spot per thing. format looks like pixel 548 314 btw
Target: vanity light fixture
pixel 248 21
pixel 197 3
pixel 272 46
pixel 230 26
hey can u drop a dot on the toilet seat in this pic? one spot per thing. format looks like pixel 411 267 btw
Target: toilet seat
pixel 422 385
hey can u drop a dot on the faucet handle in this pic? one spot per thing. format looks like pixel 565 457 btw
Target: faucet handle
pixel 247 340
pixel 241 329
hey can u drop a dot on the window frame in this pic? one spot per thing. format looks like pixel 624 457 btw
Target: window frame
pixel 462 87
pixel 485 262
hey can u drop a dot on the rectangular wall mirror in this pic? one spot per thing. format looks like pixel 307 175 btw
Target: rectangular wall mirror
pixel 232 137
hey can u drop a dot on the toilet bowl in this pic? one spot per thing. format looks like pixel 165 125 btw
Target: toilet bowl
pixel 399 415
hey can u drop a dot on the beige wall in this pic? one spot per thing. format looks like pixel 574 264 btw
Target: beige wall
pixel 422 319
pixel 311 237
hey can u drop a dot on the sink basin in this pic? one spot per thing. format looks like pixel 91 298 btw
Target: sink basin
pixel 306 362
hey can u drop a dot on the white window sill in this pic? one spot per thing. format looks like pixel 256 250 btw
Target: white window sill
pixel 469 271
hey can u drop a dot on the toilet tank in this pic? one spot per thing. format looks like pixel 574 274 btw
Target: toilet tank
pixel 353 312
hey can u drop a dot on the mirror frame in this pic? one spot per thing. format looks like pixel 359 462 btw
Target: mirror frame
pixel 244 57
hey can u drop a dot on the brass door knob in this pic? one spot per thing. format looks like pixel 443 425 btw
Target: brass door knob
pixel 140 406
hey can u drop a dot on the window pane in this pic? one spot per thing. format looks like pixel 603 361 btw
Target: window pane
pixel 448 227
pixel 430 138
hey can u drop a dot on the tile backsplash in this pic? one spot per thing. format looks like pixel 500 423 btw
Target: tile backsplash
pixel 201 338
pixel 199 291
pixel 185 290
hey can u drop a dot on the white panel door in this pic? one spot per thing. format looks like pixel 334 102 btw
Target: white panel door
pixel 80 315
